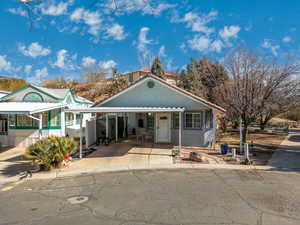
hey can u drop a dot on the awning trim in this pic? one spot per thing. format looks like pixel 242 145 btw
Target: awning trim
pixel 125 109
pixel 28 108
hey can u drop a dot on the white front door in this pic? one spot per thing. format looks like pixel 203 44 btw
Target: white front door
pixel 163 122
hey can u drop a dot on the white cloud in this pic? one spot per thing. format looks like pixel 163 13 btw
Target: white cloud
pixel 88 61
pixel 17 11
pixel 55 9
pixel 38 76
pixel 162 51
pixel 199 43
pixel 273 48
pixel 146 7
pixel 198 23
pixel 64 60
pixel 92 19
pixel 229 32
pixel 286 39
pixel 217 46
pixel 41 73
pixel 205 44
pixel 5 65
pixel 27 69
pixel 116 31
pixel 107 65
pixel 142 39
pixel 34 50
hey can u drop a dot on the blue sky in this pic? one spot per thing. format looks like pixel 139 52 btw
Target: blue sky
pixel 70 36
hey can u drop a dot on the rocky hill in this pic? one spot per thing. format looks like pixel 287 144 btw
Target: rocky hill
pixel 11 84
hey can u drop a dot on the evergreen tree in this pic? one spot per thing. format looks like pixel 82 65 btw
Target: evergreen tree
pixel 157 68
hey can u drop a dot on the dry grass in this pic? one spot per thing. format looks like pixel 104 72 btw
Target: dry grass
pixel 262 145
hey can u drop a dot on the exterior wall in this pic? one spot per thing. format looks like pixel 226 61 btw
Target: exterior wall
pixel 158 96
pixel 24 138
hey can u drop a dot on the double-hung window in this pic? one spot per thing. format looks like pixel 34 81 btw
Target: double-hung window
pixel 193 120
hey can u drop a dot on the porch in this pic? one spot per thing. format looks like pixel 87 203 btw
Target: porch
pixel 143 123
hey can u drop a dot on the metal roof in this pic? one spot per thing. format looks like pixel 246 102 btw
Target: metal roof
pixel 28 107
pixel 125 109
pixel 56 92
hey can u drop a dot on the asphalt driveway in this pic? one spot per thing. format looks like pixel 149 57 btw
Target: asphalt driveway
pixel 287 156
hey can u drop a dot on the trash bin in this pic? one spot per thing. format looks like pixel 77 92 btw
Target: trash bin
pixel 224 149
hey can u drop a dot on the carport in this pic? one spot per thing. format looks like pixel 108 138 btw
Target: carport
pixel 123 111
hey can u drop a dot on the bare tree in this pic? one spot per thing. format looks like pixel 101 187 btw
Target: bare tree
pixel 252 84
pixel 94 74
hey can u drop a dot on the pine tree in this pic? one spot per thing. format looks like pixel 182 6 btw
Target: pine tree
pixel 157 68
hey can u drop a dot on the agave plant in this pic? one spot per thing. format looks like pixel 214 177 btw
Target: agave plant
pixel 50 151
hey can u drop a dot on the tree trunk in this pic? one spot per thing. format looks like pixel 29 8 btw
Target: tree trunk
pixel 244 133
pixel 262 126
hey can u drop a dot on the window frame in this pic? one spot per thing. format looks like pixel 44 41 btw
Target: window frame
pixel 193 127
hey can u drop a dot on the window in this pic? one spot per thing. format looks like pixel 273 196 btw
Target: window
pixel 194 120
pixel 33 97
pixel 208 119
pixel 69 119
pixel 150 121
pixel 77 118
pixel 24 121
pixel 175 120
pixel 45 119
pixel 12 120
pixel 55 117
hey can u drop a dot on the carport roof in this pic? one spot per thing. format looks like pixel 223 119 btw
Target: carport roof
pixel 125 109
pixel 28 107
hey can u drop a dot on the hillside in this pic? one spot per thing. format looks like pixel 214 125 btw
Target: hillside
pixel 11 84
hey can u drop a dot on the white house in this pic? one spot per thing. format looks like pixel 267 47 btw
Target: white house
pixel 33 112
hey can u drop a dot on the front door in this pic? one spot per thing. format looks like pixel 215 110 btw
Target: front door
pixel 163 127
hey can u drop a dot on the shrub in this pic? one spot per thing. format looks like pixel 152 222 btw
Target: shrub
pixel 50 151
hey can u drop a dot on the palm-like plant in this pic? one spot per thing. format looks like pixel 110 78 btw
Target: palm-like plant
pixel 50 151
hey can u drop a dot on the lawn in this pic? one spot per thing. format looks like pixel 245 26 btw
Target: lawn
pixel 261 144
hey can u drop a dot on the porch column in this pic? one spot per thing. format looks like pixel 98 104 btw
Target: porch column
pixel 106 125
pixel 180 131
pixel 40 125
pixel 124 124
pixel 214 123
pixel 80 131
pixel 116 127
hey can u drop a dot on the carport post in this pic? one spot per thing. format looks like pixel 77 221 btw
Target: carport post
pixel 80 142
pixel 106 125
pixel 116 127
pixel 40 125
pixel 180 131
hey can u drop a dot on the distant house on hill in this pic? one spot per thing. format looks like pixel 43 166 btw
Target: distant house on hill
pixel 131 77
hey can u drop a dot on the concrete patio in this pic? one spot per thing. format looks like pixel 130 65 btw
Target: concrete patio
pixel 126 153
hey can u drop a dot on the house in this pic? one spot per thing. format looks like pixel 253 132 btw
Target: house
pixel 131 77
pixel 33 112
pixel 151 108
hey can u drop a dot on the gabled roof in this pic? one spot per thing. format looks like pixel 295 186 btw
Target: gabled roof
pixel 58 93
pixel 182 91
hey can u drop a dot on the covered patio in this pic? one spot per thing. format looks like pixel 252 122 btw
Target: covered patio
pixel 160 114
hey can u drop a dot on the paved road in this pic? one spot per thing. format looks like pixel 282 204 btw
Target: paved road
pixel 157 197
pixel 287 156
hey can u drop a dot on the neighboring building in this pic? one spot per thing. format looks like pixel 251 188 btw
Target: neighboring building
pixel 33 112
pixel 170 77
pixel 154 109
